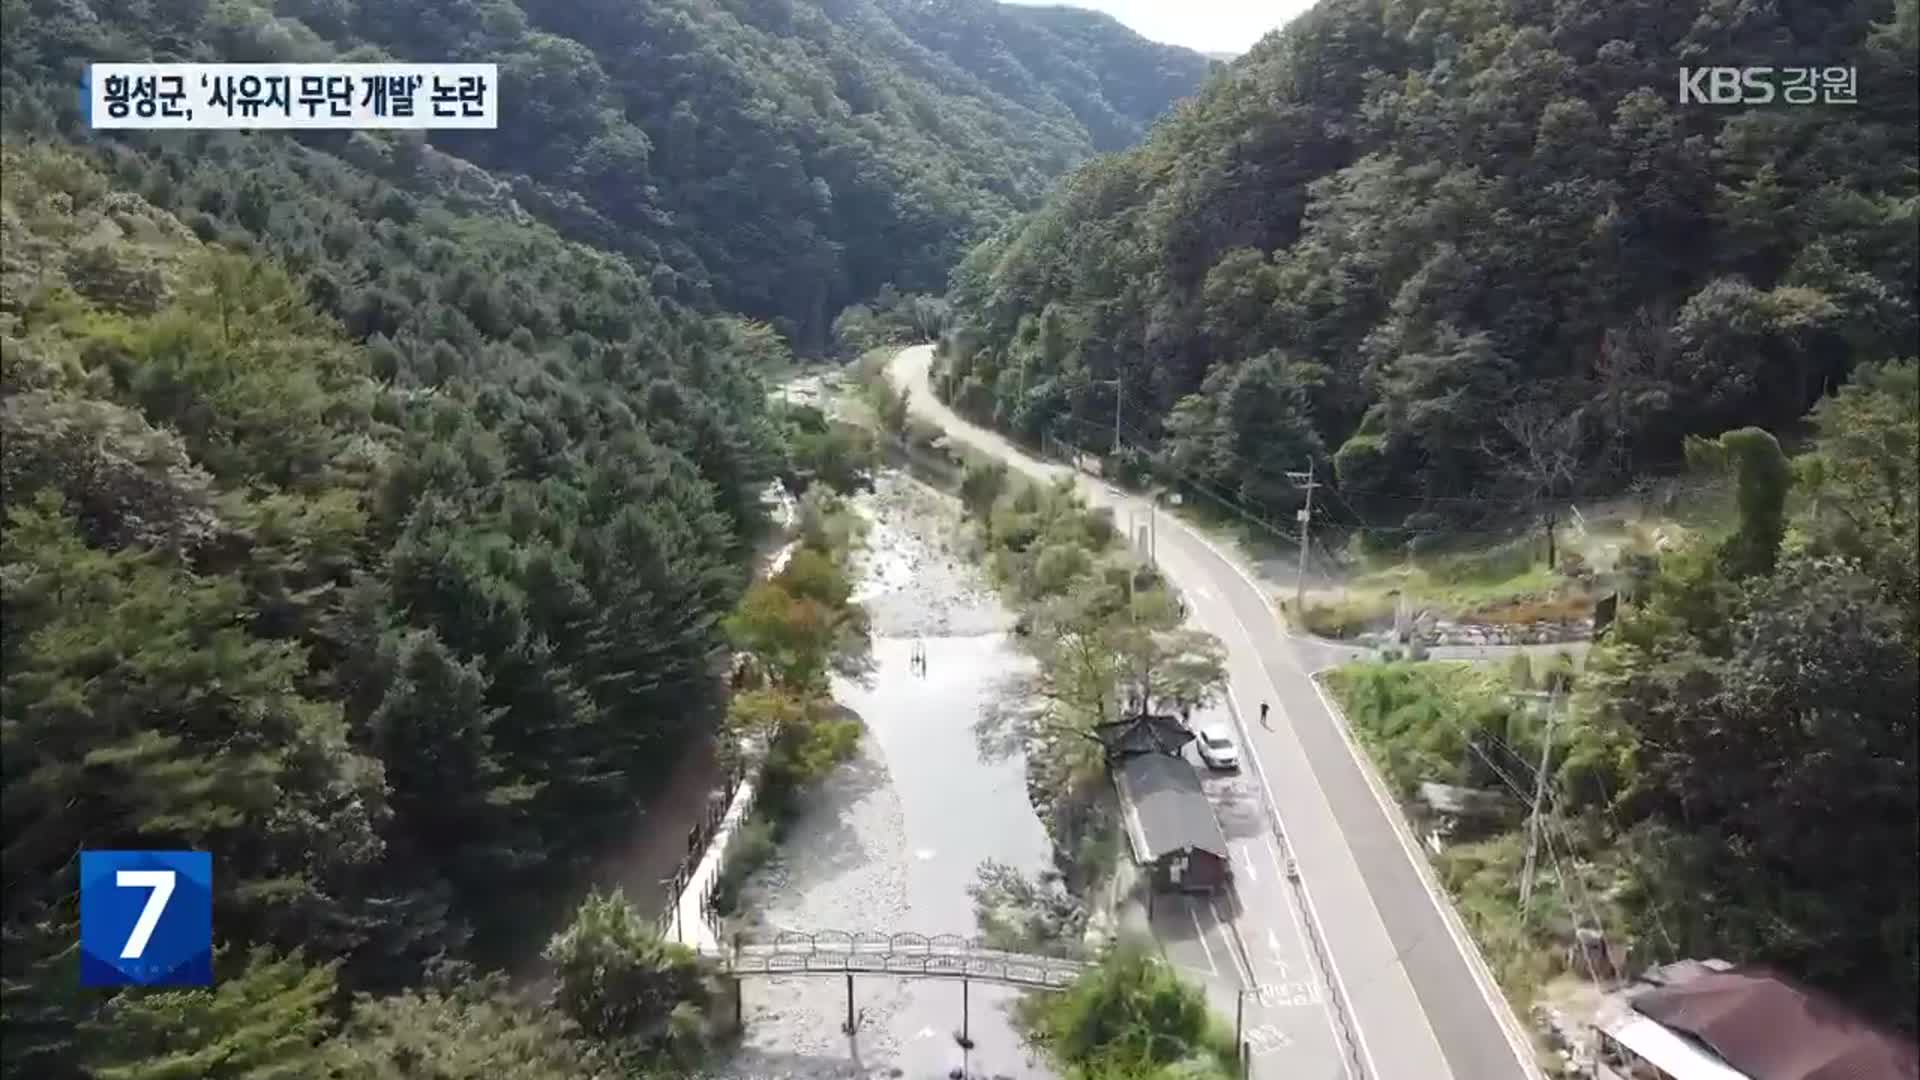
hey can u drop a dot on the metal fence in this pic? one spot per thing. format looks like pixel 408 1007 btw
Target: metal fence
pixel 699 837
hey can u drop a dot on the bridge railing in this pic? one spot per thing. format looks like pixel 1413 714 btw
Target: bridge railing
pixel 911 954
pixel 699 836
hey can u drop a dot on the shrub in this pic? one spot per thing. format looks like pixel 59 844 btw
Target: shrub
pixel 751 847
pixel 1131 1015
pixel 616 978
pixel 1346 617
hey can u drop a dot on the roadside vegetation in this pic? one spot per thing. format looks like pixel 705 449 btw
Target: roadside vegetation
pixel 1516 579
pixel 1105 634
pixel 1463 725
pixel 1734 774
pixel 891 319
pixel 1130 1017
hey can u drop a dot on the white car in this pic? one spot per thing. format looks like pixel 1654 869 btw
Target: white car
pixel 1217 747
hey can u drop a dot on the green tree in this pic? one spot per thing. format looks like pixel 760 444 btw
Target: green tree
pixel 617 979
pixel 1860 478
pixel 1783 760
pixel 801 623
pixel 270 1018
pixel 1761 476
pixel 478 1032
pixel 1098 651
pixel 433 730
pixel 1512 214
pixel 276 593
pixel 1129 1016
pixel 139 707
pixel 981 487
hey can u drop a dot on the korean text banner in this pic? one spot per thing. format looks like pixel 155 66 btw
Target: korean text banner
pixel 292 96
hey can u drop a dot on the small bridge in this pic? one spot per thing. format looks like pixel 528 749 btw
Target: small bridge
pixel 918 956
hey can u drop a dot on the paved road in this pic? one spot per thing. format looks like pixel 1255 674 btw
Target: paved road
pixel 1420 1001
pixel 1291 1029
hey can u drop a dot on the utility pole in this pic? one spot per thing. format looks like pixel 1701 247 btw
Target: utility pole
pixel 1305 517
pixel 1239 1019
pixel 1550 551
pixel 1539 796
pixel 1153 531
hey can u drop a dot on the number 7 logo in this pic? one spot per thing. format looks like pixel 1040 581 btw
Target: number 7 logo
pixel 146 918
pixel 161 882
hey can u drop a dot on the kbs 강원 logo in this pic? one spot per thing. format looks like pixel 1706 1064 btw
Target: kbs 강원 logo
pixel 1765 85
pixel 146 918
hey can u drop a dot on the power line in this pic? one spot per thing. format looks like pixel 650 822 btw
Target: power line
pixel 1552 855
pixel 1141 444
pixel 1225 500
pixel 1140 436
pixel 1305 542
pixel 1553 822
pixel 1626 839
pixel 1559 876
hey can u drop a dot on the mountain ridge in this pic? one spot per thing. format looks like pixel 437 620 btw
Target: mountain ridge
pixel 778 158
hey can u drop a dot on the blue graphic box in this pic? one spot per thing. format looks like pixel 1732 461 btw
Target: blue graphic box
pixel 146 918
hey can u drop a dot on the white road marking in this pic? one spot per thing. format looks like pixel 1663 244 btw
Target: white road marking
pixel 1267 1038
pixel 1333 966
pixel 923 854
pixel 1202 934
pixel 1240 969
pixel 1252 874
pixel 1288 995
pixel 1273 946
pixel 1299 930
pixel 1476 963
pixel 1502 1012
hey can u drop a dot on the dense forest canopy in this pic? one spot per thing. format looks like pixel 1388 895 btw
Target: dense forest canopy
pixel 777 158
pixel 375 504
pixel 1465 251
pixel 399 625
pixel 378 509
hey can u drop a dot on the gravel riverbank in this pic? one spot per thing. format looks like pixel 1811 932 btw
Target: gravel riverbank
pixel 892 840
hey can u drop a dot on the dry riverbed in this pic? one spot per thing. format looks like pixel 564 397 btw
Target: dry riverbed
pixel 893 839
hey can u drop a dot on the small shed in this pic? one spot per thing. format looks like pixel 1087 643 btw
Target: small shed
pixel 1170 824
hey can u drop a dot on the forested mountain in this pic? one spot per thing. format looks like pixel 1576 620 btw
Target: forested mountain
pixel 366 529
pixel 1466 251
pixel 399 628
pixel 374 503
pixel 778 158
pixel 1112 80
pixel 1471 256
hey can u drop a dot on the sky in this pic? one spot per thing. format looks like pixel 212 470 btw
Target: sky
pixel 1230 26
